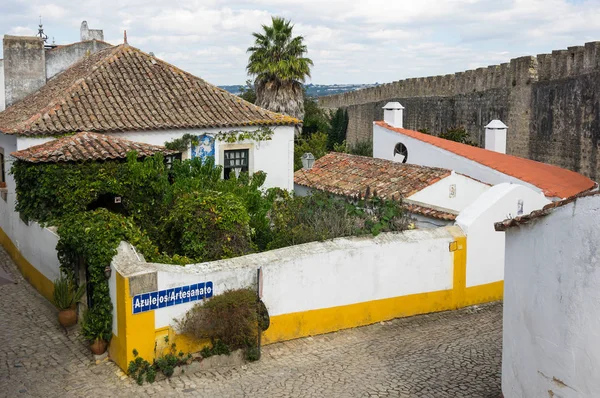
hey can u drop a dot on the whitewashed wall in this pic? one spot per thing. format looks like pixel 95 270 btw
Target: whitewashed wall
pixel 425 154
pixel 552 305
pixel 275 157
pixel 467 190
pixel 321 274
pixel 36 244
pixel 485 245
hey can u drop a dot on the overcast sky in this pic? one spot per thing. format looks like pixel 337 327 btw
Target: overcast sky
pixel 350 41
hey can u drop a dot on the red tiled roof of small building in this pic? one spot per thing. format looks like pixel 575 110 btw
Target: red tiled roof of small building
pixel 552 180
pixel 429 212
pixel 87 146
pixel 345 174
pixel 124 89
pixel 549 208
pixel 348 175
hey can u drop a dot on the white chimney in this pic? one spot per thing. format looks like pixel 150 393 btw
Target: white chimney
pixel 495 136
pixel 392 114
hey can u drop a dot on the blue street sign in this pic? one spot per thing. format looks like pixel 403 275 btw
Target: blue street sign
pixel 168 297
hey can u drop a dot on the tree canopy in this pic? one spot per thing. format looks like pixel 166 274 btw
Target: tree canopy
pixel 278 55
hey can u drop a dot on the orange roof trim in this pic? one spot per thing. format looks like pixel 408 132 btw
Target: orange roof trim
pixel 552 180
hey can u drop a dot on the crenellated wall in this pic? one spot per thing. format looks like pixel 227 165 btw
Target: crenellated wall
pixel 551 103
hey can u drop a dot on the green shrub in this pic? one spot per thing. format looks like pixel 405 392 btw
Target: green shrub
pixel 140 369
pixel 229 318
pixel 208 226
pixel 361 148
pixel 196 176
pixel 96 325
pixel 457 134
pixel 321 216
pixel 216 348
pixel 66 293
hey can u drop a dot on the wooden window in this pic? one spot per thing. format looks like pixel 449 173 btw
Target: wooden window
pixel 235 161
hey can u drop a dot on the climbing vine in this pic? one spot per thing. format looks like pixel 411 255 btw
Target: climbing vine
pixel 93 238
pixel 261 134
pixel 183 143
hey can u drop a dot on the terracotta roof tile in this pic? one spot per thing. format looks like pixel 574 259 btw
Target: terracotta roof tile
pixel 554 181
pixel 512 222
pixel 349 175
pixel 429 212
pixel 87 146
pixel 124 89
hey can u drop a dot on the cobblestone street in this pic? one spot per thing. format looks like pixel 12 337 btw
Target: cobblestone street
pixel 451 354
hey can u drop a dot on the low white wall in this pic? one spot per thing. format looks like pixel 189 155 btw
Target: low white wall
pixel 322 274
pixel 485 245
pixel 36 244
pixel 466 189
pixel 552 305
pixel 425 154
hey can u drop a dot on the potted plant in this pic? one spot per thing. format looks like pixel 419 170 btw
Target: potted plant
pixel 96 330
pixel 66 295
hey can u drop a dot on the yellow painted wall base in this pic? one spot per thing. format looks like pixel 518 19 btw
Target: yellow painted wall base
pixel 483 293
pixel 42 284
pixel 308 323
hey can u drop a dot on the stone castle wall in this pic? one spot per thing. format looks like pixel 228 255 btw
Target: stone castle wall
pixel 550 102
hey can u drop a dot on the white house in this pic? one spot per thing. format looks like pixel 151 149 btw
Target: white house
pixel 552 301
pixel 122 92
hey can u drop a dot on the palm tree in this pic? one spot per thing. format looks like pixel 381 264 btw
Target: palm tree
pixel 278 62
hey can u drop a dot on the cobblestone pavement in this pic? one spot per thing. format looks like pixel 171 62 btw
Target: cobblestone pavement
pixel 452 354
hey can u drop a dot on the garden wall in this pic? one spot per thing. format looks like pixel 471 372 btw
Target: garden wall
pixel 309 289
pixel 31 247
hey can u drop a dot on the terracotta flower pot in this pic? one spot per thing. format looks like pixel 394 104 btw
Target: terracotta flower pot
pixel 98 347
pixel 67 317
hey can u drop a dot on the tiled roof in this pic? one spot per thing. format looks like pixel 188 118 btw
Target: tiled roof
pixel 512 222
pixel 552 180
pixel 124 89
pixel 349 175
pixel 429 212
pixel 87 146
pixel 344 174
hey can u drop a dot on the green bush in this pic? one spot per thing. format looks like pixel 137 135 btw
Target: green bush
pixel 457 134
pixel 230 318
pixel 96 325
pixel 66 293
pixel 361 148
pixel 197 175
pixel 208 226
pixel 140 369
pixel 322 216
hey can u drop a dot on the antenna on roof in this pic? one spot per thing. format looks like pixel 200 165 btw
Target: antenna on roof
pixel 125 37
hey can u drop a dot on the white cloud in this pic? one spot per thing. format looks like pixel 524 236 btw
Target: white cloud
pixel 348 40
